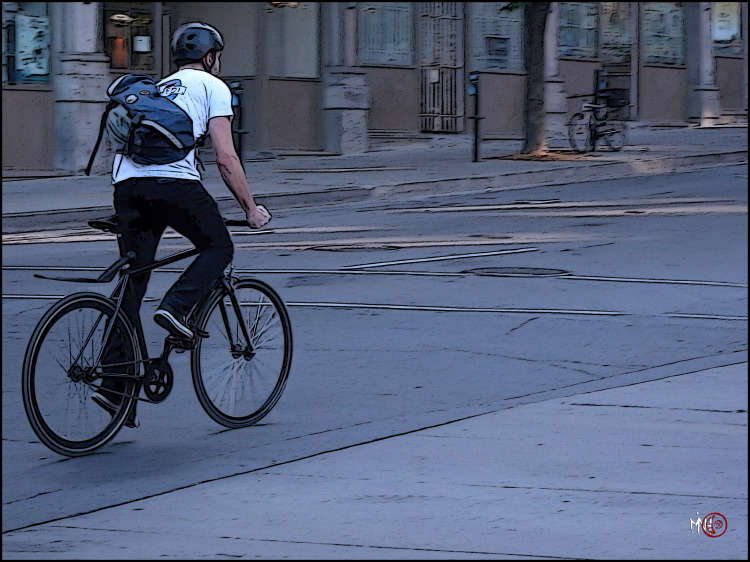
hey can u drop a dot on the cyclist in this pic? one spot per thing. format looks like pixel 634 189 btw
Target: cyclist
pixel 172 195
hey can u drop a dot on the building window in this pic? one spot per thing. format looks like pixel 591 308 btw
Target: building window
pixel 497 41
pixel 616 32
pixel 129 35
pixel 293 38
pixel 26 44
pixel 726 28
pixel 578 34
pixel 664 33
pixel 386 33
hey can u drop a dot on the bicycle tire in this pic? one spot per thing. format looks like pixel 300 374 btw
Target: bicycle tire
pixel 234 388
pixel 614 135
pixel 58 407
pixel 580 133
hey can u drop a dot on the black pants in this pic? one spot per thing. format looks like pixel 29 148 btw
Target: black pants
pixel 146 207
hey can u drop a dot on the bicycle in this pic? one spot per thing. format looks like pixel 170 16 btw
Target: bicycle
pixel 240 357
pixel 592 123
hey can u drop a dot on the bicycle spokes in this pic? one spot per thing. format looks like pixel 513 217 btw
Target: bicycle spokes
pixel 62 371
pixel 240 370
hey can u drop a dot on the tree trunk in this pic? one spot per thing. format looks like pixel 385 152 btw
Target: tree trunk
pixel 535 19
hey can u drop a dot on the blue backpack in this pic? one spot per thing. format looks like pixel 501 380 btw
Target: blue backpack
pixel 144 125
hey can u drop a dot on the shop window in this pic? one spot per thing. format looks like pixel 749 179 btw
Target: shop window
pixel 578 29
pixel 616 31
pixel 26 45
pixel 664 30
pixel 386 33
pixel 497 41
pixel 726 28
pixel 293 38
pixel 129 35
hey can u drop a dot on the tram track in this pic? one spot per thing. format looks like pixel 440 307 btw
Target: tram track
pixel 368 269
pixel 365 270
pixel 463 309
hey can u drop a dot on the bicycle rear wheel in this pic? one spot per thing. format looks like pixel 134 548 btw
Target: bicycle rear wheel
pixel 236 383
pixel 580 133
pixel 60 373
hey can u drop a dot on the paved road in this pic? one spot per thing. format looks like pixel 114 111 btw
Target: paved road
pixel 413 313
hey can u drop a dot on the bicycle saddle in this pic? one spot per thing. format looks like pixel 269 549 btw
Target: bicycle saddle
pixel 107 224
pixel 114 223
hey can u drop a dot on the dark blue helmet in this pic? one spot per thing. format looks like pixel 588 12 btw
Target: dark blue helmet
pixel 193 41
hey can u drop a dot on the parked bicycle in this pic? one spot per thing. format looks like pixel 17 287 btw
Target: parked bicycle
pixel 241 356
pixel 593 123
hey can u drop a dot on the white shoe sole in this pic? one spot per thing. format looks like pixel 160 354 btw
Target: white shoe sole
pixel 165 319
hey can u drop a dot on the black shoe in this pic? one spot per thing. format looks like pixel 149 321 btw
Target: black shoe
pixel 100 399
pixel 173 323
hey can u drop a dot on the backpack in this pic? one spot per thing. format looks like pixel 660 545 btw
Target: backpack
pixel 144 125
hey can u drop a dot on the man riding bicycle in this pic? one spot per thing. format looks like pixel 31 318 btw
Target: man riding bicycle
pixel 162 195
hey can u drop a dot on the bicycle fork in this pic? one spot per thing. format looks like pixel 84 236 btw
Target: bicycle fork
pixel 237 348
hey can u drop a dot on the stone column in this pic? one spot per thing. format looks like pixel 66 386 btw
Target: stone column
pixel 555 102
pixel 744 10
pixel 635 60
pixel 704 104
pixel 346 97
pixel 255 143
pixel 81 77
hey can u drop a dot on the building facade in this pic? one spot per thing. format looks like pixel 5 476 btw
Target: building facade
pixel 340 77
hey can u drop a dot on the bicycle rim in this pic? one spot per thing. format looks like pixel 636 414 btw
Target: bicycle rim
pixel 67 340
pixel 579 133
pixel 236 388
pixel 615 137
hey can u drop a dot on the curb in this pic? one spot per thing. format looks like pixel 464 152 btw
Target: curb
pixel 562 175
pixel 558 175
pixel 521 180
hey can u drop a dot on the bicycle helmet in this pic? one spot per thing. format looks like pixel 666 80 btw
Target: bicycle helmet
pixel 193 41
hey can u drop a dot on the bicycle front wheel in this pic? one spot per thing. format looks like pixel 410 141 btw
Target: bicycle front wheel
pixel 239 381
pixel 613 135
pixel 61 370
pixel 580 133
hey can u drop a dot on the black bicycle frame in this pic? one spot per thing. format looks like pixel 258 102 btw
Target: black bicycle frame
pixel 123 286
pixel 238 311
pixel 119 294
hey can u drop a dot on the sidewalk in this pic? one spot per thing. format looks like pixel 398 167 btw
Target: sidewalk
pixel 609 474
pixel 441 165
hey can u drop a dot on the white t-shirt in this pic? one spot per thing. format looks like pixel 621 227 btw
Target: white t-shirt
pixel 202 96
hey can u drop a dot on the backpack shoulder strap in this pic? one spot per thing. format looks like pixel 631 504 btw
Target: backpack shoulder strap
pixel 110 106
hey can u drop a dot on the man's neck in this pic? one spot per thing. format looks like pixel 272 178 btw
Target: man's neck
pixel 193 65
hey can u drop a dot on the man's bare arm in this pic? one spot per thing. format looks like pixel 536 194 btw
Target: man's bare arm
pixel 231 171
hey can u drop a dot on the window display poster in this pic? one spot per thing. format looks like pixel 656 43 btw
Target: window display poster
pixel 32 47
pixel 725 21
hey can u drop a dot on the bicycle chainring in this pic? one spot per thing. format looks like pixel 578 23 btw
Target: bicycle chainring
pixel 158 381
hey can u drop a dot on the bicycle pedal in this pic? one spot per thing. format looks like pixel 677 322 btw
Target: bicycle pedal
pixel 181 345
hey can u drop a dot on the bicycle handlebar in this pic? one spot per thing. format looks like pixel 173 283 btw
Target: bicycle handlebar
pixel 236 222
pixel 243 222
